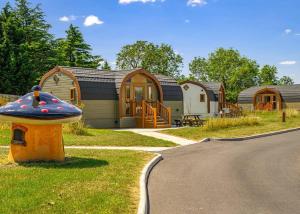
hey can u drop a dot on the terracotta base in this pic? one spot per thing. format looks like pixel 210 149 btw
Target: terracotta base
pixel 42 143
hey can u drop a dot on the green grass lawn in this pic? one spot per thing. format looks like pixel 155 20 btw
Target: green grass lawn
pixel 105 137
pixel 87 182
pixel 270 121
pixel 102 137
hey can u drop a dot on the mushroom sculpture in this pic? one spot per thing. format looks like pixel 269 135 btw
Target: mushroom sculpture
pixel 37 120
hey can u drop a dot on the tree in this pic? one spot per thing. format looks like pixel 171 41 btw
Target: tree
pixel 285 80
pixel 105 66
pixel 199 69
pixel 229 67
pixel 25 47
pixel 74 51
pixel 268 75
pixel 6 54
pixel 158 59
pixel 244 76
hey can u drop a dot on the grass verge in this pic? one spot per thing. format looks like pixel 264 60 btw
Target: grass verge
pixel 100 137
pixel 269 121
pixel 87 182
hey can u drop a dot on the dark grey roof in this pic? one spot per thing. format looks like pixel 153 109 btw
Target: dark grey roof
pixel 289 93
pixel 212 88
pixel 92 81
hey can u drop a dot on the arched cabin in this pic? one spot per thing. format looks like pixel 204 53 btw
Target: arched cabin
pixel 117 99
pixel 270 98
pixel 204 98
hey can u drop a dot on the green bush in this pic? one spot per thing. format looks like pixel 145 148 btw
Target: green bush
pixel 290 113
pixel 77 128
pixel 4 126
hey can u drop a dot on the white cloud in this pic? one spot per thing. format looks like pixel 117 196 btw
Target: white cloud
pixel 297 34
pixel 288 62
pixel 92 20
pixel 67 18
pixel 194 3
pixel 187 21
pixel 134 1
pixel 288 31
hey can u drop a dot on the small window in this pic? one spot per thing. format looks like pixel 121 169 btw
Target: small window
pixel 202 98
pixel 150 96
pixel 19 136
pixel 56 79
pixel 186 87
pixel 127 91
pixel 72 94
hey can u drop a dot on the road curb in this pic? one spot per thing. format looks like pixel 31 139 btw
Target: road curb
pixel 252 136
pixel 144 199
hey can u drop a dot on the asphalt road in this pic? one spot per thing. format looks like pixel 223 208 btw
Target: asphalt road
pixel 259 176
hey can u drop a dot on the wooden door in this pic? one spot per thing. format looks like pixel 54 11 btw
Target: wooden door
pixel 139 93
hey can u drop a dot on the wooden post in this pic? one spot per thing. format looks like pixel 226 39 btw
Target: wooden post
pixel 133 108
pixel 143 113
pixel 154 118
pixel 283 116
pixel 170 116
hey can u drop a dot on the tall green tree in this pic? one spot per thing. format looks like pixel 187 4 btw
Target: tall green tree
pixel 268 75
pixel 226 66
pixel 199 69
pixel 158 59
pixel 285 80
pixel 74 51
pixel 105 66
pixel 25 45
pixel 7 31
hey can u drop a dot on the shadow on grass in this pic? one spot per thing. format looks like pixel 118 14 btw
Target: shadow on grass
pixel 69 163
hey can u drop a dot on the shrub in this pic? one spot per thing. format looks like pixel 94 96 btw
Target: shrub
pixel 221 123
pixel 290 113
pixel 77 128
pixel 4 126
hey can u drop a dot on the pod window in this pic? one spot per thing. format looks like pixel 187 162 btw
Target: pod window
pixel 19 136
pixel 72 94
pixel 202 98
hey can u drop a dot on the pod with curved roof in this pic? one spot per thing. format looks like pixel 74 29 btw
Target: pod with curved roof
pixel 204 98
pixel 113 99
pixel 272 97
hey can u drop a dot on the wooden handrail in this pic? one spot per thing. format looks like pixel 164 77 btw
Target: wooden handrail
pixel 154 118
pixel 164 112
pixel 149 113
pixel 232 106
pixel 264 106
pixel 151 110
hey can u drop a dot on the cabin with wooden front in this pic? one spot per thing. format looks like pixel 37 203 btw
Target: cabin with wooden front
pixel 117 99
pixel 270 98
pixel 203 98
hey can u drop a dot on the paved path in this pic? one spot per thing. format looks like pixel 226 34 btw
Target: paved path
pixel 259 176
pixel 132 148
pixel 154 133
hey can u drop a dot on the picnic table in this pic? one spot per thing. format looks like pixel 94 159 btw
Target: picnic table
pixel 190 120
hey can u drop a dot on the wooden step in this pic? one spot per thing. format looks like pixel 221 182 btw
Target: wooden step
pixel 158 122
pixel 158 125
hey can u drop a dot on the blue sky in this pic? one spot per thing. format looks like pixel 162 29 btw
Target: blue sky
pixel 265 30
